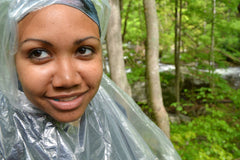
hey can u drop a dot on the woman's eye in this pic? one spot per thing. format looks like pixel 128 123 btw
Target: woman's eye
pixel 39 54
pixel 85 51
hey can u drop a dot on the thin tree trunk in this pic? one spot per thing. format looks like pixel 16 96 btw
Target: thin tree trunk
pixel 153 79
pixel 115 50
pixel 212 58
pixel 121 5
pixel 176 52
pixel 178 19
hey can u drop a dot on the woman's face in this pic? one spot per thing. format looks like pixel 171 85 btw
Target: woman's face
pixel 59 60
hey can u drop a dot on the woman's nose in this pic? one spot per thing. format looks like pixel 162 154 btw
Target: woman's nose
pixel 66 75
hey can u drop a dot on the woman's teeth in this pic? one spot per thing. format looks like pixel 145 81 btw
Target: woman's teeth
pixel 65 99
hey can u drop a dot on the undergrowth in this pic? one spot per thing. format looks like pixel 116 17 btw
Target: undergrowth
pixel 215 136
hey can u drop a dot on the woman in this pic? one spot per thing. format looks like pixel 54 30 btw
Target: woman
pixel 55 104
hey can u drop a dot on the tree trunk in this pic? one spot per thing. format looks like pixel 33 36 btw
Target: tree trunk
pixel 177 53
pixel 155 99
pixel 211 56
pixel 115 50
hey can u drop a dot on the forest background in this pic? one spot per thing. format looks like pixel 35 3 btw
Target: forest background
pixel 195 38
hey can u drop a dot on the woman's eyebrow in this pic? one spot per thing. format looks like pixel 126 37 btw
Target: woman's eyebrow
pixel 37 40
pixel 77 42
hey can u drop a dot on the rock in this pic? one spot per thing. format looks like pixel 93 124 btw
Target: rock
pixel 184 118
pixel 179 118
pixel 173 118
pixel 138 92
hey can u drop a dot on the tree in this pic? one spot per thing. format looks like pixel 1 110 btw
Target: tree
pixel 115 50
pixel 211 56
pixel 154 93
pixel 178 20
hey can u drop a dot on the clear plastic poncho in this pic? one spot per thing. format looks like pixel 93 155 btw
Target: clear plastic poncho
pixel 113 127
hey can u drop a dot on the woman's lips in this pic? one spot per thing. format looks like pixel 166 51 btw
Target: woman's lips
pixel 65 99
pixel 66 103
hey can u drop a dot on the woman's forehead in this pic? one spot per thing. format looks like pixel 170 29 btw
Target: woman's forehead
pixel 56 19
pixel 22 8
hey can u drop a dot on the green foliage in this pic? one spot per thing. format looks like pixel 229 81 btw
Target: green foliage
pixel 166 78
pixel 208 137
pixel 224 91
pixel 147 110
pixel 196 29
pixel 135 63
pixel 202 95
pixel 136 75
pixel 179 107
pixel 135 29
pixel 167 58
pixel 205 94
pixel 215 134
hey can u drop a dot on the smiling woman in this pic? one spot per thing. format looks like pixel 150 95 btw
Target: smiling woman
pixel 55 101
pixel 60 70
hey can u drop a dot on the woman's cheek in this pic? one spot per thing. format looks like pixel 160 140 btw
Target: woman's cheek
pixel 35 79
